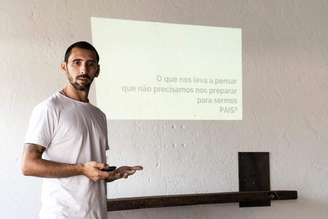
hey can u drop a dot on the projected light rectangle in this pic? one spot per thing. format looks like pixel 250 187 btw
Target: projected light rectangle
pixel 163 71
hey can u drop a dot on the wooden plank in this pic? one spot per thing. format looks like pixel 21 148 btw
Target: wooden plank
pixel 196 199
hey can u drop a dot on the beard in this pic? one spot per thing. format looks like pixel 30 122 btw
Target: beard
pixel 78 86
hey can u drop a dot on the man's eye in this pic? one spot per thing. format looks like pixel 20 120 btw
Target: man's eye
pixel 92 64
pixel 76 62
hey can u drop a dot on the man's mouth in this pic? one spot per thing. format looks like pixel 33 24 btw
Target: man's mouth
pixel 83 78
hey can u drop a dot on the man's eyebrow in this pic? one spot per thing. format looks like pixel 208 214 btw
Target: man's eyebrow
pixel 89 60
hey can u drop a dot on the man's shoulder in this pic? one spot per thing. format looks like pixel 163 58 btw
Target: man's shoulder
pixel 50 103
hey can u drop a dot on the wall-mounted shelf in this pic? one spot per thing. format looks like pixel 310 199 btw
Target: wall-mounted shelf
pixel 254 189
pixel 197 199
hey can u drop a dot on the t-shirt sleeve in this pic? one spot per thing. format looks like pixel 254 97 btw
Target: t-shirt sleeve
pixel 41 126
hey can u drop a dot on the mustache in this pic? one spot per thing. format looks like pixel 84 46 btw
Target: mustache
pixel 83 76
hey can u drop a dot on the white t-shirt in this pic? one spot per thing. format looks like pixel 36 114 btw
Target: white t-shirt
pixel 72 132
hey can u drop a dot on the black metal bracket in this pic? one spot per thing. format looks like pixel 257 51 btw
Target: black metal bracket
pixel 254 175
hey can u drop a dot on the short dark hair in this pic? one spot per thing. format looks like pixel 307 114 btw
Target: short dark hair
pixel 81 45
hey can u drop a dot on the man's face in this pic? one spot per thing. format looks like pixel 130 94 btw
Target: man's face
pixel 81 68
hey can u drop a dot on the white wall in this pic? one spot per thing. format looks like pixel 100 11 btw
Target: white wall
pixel 285 59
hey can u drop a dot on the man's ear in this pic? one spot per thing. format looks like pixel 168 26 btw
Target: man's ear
pixel 63 67
pixel 98 70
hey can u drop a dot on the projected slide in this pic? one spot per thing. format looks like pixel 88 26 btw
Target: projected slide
pixel 163 71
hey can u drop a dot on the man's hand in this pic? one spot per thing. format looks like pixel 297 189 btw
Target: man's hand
pixel 93 171
pixel 123 172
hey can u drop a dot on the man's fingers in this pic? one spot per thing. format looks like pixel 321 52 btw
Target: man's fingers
pixel 130 172
pixel 137 168
pixel 124 172
pixel 100 165
pixel 116 175
pixel 99 175
pixel 106 165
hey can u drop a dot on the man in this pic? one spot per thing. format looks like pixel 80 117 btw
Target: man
pixel 66 143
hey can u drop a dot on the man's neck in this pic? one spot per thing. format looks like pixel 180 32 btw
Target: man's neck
pixel 78 95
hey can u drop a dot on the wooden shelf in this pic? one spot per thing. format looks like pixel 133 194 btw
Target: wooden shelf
pixel 197 199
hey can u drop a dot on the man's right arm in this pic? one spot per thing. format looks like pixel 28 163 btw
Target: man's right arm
pixel 34 165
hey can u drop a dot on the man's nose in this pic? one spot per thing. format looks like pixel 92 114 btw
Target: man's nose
pixel 83 68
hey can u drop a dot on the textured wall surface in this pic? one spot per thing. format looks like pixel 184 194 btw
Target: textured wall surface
pixel 285 92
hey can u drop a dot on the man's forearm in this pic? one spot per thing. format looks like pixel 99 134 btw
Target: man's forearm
pixel 34 165
pixel 51 169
